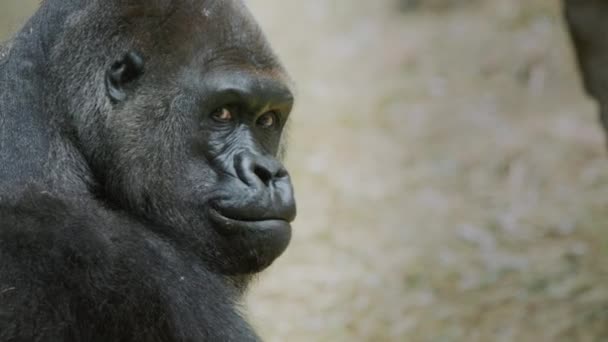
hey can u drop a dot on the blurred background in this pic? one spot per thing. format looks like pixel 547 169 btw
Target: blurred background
pixel 452 177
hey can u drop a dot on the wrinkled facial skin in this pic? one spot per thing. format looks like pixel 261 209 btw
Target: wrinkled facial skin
pixel 188 131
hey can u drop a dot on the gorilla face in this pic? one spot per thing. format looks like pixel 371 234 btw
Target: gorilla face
pixel 187 132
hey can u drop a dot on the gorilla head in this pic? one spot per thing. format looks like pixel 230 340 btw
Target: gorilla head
pixel 140 181
pixel 178 107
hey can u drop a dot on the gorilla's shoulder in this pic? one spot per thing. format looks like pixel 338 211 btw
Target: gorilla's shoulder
pixel 5 49
pixel 41 232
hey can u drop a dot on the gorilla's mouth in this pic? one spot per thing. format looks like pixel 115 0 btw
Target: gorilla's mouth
pixel 261 240
pixel 230 221
pixel 234 220
pixel 253 221
pixel 233 215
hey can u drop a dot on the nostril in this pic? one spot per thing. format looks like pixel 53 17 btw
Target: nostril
pixel 281 173
pixel 268 175
pixel 256 169
pixel 263 174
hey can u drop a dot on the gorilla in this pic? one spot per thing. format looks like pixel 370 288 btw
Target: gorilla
pixel 141 187
pixel 588 25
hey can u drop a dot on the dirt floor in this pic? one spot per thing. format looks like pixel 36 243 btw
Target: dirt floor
pixel 452 178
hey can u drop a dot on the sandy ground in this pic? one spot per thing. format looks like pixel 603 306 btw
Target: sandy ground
pixel 451 176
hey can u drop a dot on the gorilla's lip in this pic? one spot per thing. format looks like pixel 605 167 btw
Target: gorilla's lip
pixel 228 224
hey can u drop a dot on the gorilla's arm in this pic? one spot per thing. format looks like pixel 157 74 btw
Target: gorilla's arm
pixel 43 252
pixel 588 24
pixel 92 276
pixel 24 140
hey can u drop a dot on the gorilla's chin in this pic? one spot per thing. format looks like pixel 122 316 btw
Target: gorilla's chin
pixel 254 216
pixel 260 242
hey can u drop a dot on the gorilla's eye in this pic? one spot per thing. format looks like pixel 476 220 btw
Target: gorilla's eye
pixel 222 115
pixel 268 120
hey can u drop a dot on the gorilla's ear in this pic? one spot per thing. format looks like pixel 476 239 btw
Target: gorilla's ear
pixel 121 73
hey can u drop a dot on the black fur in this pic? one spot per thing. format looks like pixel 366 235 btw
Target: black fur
pixel 140 186
pixel 588 25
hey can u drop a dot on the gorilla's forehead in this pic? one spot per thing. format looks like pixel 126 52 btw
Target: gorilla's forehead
pixel 225 32
pixel 199 36
pixel 212 34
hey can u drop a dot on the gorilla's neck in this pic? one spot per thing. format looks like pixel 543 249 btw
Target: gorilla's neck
pixel 30 147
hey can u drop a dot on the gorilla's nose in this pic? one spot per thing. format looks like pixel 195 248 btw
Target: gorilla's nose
pixel 257 170
pixel 270 194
